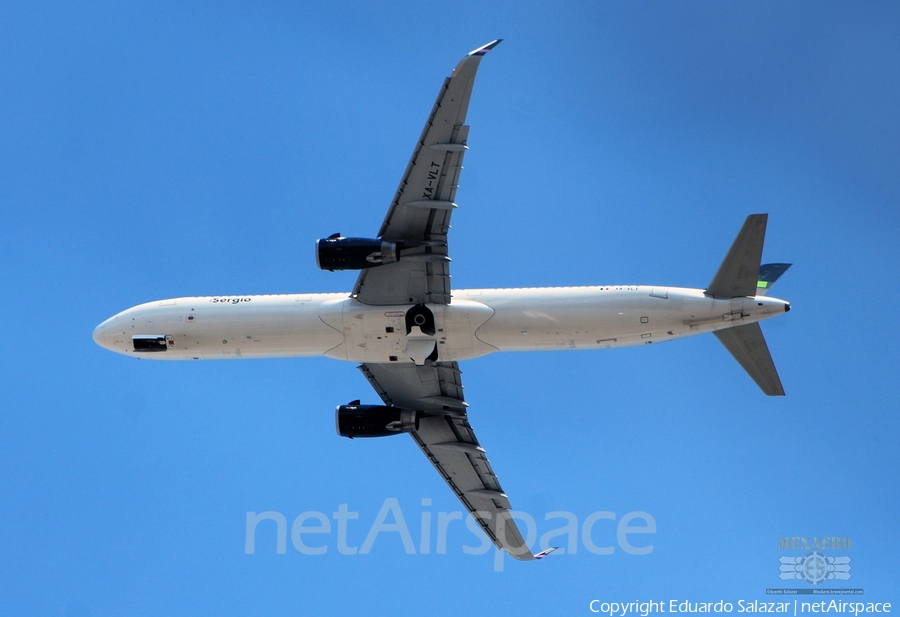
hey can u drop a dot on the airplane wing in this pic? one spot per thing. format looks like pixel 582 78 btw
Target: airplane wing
pixel 419 217
pixel 418 221
pixel 447 439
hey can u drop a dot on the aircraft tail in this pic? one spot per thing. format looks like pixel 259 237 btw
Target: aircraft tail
pixel 740 274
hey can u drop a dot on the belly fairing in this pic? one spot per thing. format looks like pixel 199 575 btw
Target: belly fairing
pixel 384 334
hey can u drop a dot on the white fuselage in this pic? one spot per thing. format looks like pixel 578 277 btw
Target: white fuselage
pixel 475 323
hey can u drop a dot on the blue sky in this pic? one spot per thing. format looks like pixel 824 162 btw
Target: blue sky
pixel 197 149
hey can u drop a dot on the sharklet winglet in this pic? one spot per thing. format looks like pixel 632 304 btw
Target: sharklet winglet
pixel 485 48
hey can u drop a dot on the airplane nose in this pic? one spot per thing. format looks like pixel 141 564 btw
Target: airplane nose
pixel 100 335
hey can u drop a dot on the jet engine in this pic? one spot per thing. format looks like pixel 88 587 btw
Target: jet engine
pixel 355 420
pixel 338 253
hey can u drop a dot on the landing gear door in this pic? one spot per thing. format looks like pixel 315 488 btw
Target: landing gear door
pixel 149 343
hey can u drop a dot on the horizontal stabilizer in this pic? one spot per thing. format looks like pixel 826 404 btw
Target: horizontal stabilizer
pixel 737 276
pixel 768 274
pixel 748 346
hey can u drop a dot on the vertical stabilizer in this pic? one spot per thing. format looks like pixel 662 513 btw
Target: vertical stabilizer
pixel 768 274
pixel 738 274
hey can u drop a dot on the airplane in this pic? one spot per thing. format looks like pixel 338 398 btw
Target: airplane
pixel 408 329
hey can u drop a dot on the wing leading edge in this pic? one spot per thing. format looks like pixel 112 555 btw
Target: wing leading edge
pixel 419 216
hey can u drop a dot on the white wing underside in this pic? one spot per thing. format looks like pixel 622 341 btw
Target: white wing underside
pixel 419 215
pixel 447 439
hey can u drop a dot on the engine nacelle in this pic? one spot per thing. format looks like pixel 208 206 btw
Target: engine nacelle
pixel 337 253
pixel 374 420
